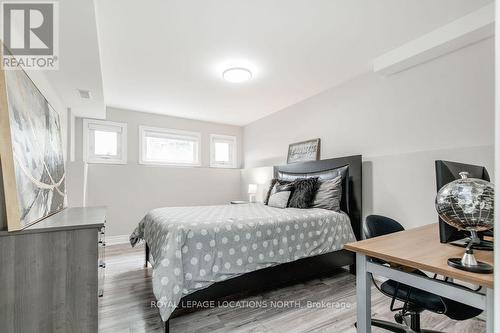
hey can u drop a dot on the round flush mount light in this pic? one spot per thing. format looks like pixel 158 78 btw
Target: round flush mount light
pixel 237 75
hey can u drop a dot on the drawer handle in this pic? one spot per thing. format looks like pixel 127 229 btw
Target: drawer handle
pixel 102 243
pixel 103 265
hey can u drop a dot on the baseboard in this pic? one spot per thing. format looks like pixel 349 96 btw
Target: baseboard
pixel 115 240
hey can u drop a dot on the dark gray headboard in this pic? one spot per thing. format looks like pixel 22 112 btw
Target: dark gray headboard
pixel 352 185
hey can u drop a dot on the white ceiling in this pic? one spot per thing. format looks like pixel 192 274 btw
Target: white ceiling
pixel 79 59
pixel 167 56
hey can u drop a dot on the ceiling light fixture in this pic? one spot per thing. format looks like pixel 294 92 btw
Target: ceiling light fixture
pixel 237 75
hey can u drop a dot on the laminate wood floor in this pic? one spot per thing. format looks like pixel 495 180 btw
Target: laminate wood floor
pixel 326 305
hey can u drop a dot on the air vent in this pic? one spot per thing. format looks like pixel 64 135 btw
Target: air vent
pixel 84 94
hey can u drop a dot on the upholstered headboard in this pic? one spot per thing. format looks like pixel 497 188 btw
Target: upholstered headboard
pixel 348 167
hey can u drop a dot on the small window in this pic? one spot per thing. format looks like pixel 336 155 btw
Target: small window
pixel 222 151
pixel 168 147
pixel 104 141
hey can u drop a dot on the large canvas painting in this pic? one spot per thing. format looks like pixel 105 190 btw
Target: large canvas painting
pixel 31 152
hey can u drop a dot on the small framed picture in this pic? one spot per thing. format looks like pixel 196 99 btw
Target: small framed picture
pixel 304 151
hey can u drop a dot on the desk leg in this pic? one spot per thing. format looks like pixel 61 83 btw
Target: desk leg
pixel 363 295
pixel 489 311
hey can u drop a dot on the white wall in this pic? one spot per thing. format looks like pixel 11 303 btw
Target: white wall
pixel 130 191
pixel 443 109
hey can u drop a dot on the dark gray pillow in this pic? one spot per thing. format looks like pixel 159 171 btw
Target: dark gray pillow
pixel 329 194
pixel 280 195
pixel 304 191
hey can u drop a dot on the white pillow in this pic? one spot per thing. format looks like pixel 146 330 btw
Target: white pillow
pixel 280 195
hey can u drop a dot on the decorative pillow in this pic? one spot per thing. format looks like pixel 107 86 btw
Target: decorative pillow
pixel 280 195
pixel 324 175
pixel 272 188
pixel 329 194
pixel 304 191
pixel 268 193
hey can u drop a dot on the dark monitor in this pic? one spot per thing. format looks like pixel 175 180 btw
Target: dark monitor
pixel 446 172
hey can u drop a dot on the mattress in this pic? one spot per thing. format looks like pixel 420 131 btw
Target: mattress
pixel 194 247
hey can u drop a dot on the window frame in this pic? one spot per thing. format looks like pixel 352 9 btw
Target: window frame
pixel 89 157
pixel 166 131
pixel 234 141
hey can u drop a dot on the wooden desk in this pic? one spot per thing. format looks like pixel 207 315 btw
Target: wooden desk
pixel 418 248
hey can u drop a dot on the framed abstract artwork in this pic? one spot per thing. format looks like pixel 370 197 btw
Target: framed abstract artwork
pixel 304 151
pixel 31 152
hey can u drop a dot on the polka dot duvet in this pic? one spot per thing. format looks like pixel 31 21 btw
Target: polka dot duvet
pixel 194 247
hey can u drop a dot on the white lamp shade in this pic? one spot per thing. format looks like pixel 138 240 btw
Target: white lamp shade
pixel 252 188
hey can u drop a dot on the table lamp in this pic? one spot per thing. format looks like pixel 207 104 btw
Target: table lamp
pixel 252 190
pixel 468 204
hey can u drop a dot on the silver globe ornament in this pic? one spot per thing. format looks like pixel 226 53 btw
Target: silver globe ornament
pixel 468 204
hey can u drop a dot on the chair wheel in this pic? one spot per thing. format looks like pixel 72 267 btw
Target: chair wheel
pixel 398 318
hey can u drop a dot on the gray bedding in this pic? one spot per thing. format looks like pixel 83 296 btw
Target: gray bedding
pixel 194 247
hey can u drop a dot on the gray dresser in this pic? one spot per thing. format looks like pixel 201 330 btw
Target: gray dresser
pixel 51 273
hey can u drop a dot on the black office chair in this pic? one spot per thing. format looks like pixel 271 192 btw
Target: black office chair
pixel 414 300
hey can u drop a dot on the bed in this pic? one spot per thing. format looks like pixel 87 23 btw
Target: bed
pixel 210 253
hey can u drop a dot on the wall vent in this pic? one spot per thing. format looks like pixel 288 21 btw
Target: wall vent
pixel 84 94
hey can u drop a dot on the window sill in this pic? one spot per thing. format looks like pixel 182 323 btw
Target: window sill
pixel 217 166
pixel 106 162
pixel 183 166
pixel 161 164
